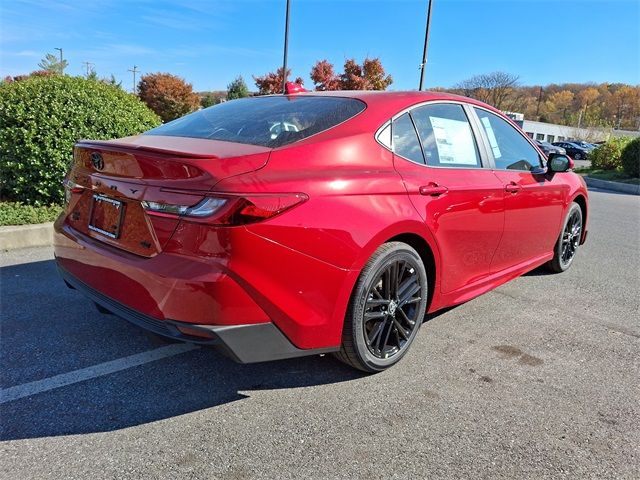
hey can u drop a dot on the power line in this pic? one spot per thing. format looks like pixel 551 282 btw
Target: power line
pixel 134 71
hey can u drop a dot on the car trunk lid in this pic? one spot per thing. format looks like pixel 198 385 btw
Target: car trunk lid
pixel 109 180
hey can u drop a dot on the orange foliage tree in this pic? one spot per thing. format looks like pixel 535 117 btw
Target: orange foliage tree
pixel 368 76
pixel 272 82
pixel 167 95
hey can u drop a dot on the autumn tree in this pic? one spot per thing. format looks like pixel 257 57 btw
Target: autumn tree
pixel 586 98
pixel 167 95
pixel 237 89
pixel 492 88
pixel 368 76
pixel 271 82
pixel 560 102
pixel 624 104
pixel 51 63
pixel 324 77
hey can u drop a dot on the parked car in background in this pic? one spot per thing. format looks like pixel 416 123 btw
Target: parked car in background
pixel 574 150
pixel 585 145
pixel 335 232
pixel 547 148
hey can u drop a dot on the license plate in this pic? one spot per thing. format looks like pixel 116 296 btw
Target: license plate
pixel 106 216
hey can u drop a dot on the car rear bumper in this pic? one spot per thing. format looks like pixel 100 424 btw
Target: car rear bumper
pixel 248 343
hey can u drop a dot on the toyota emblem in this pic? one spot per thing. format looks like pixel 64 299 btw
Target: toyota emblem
pixel 97 161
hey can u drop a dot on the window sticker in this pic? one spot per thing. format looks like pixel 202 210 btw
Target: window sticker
pixel 492 137
pixel 454 141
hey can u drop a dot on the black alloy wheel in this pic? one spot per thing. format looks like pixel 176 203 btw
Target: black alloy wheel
pixel 569 240
pixel 386 309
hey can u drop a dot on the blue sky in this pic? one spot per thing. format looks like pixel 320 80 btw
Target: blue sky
pixel 211 42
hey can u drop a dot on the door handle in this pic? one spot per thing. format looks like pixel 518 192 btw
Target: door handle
pixel 433 189
pixel 512 187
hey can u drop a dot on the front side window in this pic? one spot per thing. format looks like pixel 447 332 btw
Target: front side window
pixel 405 140
pixel 268 121
pixel 510 149
pixel 446 136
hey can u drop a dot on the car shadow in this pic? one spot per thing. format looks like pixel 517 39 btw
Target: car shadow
pixel 47 330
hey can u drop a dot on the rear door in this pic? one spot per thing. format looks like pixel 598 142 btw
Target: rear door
pixel 533 200
pixel 436 153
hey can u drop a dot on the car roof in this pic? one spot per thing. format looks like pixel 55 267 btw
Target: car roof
pixel 396 101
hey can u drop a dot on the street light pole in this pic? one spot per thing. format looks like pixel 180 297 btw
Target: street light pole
pixel 61 65
pixel 286 49
pixel 426 44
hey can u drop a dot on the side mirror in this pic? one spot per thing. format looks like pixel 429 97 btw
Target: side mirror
pixel 559 163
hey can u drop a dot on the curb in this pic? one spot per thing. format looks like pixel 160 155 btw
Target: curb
pixel 614 186
pixel 24 236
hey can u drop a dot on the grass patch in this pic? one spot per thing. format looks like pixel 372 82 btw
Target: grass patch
pixel 15 213
pixel 610 175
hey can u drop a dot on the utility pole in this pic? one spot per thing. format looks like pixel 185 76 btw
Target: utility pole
pixel 286 49
pixel 426 45
pixel 89 66
pixel 134 71
pixel 61 64
pixel 538 107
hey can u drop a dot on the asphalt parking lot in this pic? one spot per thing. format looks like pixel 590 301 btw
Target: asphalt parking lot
pixel 537 379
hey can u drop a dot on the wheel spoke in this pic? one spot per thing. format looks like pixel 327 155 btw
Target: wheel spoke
pixel 376 332
pixel 368 316
pixel 406 318
pixel 400 330
pixel 376 302
pixel 410 293
pixel 410 301
pixel 385 342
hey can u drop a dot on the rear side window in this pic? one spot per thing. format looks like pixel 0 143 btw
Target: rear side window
pixel 405 140
pixel 511 151
pixel 447 138
pixel 266 121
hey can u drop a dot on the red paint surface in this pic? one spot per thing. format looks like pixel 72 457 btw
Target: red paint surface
pixel 298 268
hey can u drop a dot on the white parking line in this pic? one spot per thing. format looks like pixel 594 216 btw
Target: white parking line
pixel 69 378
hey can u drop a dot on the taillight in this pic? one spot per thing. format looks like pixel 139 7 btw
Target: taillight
pixel 70 187
pixel 229 210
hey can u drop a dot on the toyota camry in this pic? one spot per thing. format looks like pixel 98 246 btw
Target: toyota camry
pixel 314 222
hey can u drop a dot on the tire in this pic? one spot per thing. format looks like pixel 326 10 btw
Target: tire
pixel 567 245
pixel 394 310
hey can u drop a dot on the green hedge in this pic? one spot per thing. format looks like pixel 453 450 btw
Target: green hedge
pixel 41 118
pixel 15 213
pixel 607 155
pixel 630 158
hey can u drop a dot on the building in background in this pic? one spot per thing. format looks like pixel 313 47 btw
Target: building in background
pixel 550 132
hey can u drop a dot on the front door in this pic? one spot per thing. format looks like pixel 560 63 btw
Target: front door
pixel 461 202
pixel 534 201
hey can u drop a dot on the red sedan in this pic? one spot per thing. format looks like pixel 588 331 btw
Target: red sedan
pixel 307 223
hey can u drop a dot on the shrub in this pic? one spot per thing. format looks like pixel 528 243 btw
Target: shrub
pixel 41 118
pixel 607 155
pixel 630 158
pixel 14 213
pixel 167 95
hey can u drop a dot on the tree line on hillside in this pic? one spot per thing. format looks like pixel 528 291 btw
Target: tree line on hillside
pixel 612 105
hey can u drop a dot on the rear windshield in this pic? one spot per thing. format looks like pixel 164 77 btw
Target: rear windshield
pixel 265 121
